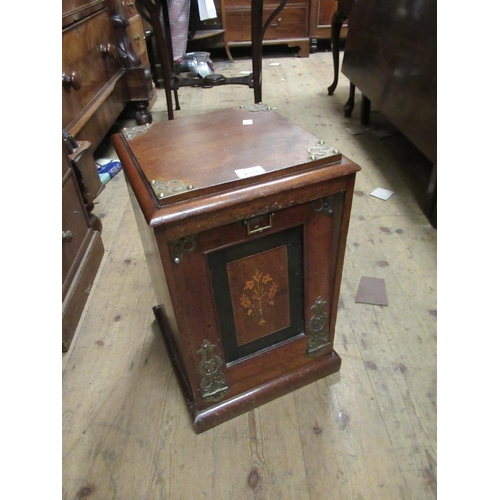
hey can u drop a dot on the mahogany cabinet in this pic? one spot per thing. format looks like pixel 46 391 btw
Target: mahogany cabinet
pixel 103 70
pixel 243 218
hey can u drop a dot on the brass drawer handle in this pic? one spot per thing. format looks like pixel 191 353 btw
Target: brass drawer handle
pixel 71 81
pixel 107 50
pixel 254 225
pixel 276 24
pixel 67 236
pixel 137 39
pixel 130 5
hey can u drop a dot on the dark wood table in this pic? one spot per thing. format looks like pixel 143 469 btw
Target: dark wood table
pixel 391 57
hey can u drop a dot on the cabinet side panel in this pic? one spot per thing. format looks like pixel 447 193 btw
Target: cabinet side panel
pixel 342 215
pixel 155 266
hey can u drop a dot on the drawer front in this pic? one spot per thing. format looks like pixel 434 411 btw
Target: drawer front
pixel 74 10
pixel 135 33
pixel 74 224
pixel 86 65
pixel 291 22
pixel 270 5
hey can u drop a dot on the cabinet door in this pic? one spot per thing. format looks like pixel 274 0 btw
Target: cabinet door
pixel 259 295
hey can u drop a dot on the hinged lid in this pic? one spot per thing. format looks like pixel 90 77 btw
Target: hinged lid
pixel 189 157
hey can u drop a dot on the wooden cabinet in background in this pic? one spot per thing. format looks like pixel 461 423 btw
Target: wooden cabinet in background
pixel 301 23
pixel 289 27
pixel 320 21
pixel 103 71
pixel 82 251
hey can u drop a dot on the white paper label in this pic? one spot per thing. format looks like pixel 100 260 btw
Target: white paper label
pixel 207 9
pixel 247 122
pixel 381 193
pixel 242 173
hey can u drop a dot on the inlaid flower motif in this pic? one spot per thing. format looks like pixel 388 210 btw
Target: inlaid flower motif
pixel 263 290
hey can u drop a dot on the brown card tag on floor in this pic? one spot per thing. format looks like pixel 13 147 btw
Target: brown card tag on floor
pixel 372 291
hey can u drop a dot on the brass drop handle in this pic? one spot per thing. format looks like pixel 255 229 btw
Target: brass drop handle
pixel 71 81
pixel 67 236
pixel 255 225
pixel 276 24
pixel 107 50
pixel 137 39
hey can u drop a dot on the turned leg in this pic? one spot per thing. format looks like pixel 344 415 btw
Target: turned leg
pixel 349 105
pixel 365 111
pixel 142 114
pixel 176 97
pixel 337 22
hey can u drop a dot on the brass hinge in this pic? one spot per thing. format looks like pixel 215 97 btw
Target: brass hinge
pixel 317 329
pixel 213 385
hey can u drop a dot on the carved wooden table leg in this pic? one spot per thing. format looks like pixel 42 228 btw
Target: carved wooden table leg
pixel 338 20
pixel 365 110
pixel 349 105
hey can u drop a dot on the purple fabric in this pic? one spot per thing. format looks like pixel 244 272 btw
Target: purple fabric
pixel 178 12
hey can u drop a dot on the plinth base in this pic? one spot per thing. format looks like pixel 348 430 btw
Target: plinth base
pixel 227 409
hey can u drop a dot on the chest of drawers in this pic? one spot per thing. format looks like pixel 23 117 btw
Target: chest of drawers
pixel 105 69
pixel 289 27
pixel 244 233
pixel 82 252
pixel 101 71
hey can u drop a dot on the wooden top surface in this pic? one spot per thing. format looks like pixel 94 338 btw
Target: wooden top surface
pixel 193 163
pixel 206 151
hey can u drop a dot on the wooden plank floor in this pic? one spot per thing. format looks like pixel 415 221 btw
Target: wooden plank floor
pixel 367 432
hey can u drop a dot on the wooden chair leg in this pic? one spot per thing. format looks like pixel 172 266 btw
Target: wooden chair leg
pixel 152 13
pixel 258 32
pixel 257 8
pixel 168 61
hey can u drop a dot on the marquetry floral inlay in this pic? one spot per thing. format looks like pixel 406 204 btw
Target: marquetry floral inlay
pixel 261 292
